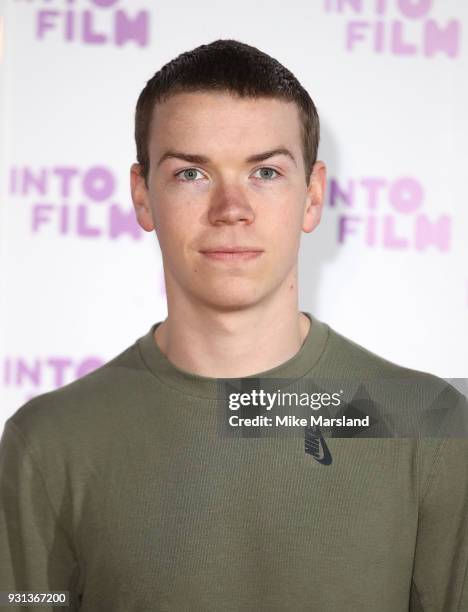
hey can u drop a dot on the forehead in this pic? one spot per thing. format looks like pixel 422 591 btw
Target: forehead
pixel 209 119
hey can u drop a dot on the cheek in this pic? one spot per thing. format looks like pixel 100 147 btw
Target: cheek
pixel 173 224
pixel 285 225
pixel 173 238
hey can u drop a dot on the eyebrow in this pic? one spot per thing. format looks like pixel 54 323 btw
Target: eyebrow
pixel 195 158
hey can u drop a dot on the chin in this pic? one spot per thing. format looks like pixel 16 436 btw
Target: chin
pixel 235 293
pixel 231 300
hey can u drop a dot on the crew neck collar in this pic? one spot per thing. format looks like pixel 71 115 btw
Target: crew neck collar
pixel 206 387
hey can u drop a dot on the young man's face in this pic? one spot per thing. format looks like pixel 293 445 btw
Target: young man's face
pixel 222 200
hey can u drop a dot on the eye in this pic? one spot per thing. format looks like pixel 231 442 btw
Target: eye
pixel 188 173
pixel 265 173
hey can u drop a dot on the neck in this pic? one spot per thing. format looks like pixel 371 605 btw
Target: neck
pixel 231 344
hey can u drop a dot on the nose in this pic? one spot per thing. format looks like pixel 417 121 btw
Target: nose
pixel 229 205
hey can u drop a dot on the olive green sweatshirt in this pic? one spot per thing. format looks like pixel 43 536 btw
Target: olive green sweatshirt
pixel 121 489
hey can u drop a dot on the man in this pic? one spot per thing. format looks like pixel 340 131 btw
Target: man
pixel 129 489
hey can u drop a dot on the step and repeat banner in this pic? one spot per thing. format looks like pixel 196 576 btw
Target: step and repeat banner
pixel 387 267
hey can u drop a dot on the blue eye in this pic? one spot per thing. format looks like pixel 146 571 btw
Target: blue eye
pixel 268 177
pixel 189 174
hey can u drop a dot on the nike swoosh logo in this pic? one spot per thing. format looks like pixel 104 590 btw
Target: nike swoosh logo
pixel 316 446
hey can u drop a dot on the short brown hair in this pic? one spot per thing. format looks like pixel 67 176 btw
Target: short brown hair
pixel 231 66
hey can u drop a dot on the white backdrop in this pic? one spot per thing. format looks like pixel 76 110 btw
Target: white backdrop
pixel 80 281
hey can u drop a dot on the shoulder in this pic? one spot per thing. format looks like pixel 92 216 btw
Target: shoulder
pixel 400 386
pixel 361 361
pixel 83 405
pixel 403 403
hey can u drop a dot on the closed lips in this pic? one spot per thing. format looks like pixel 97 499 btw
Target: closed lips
pixel 232 250
pixel 232 254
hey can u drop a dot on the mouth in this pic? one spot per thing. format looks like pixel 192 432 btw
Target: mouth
pixel 225 253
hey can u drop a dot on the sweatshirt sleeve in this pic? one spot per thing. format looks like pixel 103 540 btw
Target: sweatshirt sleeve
pixel 440 580
pixel 35 552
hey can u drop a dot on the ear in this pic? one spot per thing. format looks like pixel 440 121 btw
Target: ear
pixel 140 198
pixel 315 197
